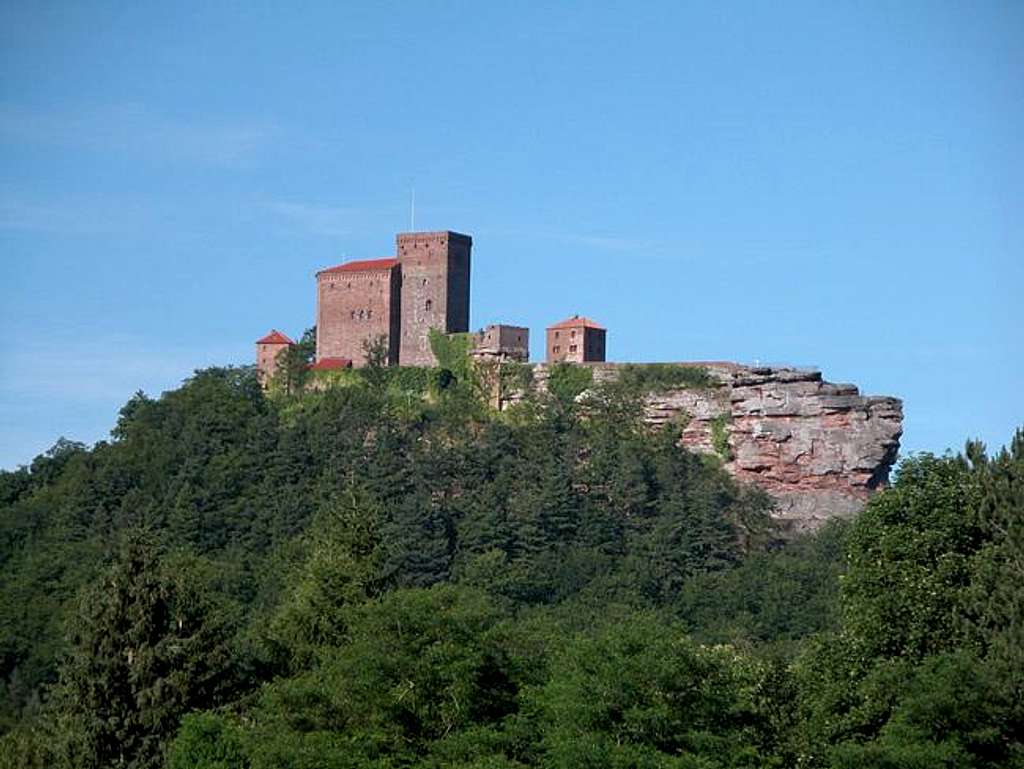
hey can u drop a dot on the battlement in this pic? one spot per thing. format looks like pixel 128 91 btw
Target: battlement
pixel 440 235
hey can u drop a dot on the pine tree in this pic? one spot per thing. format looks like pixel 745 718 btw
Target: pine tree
pixel 147 646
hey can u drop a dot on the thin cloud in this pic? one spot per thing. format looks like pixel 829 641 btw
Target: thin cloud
pixel 315 219
pixel 133 129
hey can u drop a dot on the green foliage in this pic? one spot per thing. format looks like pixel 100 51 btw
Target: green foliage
pixel 375 353
pixel 720 437
pixel 568 380
pixel 382 573
pixel 207 741
pixel 417 666
pixel 146 647
pixel 914 674
pixel 658 377
pixel 641 694
pixel 515 376
pixel 341 568
pixel 919 537
pixel 451 351
pixel 779 596
pixel 292 371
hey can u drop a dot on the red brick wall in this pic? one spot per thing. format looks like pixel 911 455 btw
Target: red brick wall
pixel 575 344
pixel 266 361
pixel 353 307
pixel 435 290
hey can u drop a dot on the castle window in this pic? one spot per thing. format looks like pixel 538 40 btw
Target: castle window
pixel 353 314
pixel 556 335
pixel 361 315
pixel 556 349
pixel 348 285
pixel 428 305
pixel 572 333
pixel 572 348
pixel 369 314
pixel 424 281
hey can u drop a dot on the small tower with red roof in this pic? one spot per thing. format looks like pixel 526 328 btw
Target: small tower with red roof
pixel 576 340
pixel 267 350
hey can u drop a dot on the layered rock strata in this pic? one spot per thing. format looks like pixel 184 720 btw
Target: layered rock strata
pixel 820 449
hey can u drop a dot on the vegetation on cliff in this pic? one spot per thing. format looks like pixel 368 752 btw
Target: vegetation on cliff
pixel 384 573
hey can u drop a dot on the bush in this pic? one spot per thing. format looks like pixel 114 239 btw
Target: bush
pixel 567 380
pixel 656 377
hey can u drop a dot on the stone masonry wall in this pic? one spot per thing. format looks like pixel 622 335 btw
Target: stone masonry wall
pixel 820 449
pixel 353 307
pixel 435 290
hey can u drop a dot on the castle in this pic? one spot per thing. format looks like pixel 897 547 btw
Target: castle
pixel 820 449
pixel 391 304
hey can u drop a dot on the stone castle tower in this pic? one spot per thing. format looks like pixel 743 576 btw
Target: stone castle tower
pixel 397 300
pixel 435 290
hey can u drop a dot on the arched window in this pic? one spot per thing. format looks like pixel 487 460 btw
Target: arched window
pixel 428 305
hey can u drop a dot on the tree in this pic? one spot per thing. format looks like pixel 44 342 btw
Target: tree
pixel 293 363
pixel 636 692
pixel 148 644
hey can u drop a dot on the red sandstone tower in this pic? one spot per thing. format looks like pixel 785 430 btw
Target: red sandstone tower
pixel 576 340
pixel 357 303
pixel 435 290
pixel 267 350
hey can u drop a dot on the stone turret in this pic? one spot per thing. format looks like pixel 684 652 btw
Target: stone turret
pixel 267 350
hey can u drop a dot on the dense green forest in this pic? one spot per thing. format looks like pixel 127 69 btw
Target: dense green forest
pixel 383 573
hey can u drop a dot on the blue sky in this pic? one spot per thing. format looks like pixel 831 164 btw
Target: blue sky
pixel 828 184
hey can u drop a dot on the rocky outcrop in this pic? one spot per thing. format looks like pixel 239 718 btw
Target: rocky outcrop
pixel 820 449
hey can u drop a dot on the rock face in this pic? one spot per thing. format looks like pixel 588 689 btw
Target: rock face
pixel 820 449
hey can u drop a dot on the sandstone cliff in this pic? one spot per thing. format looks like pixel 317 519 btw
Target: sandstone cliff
pixel 820 449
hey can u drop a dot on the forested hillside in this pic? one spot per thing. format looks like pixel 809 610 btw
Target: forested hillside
pixel 384 573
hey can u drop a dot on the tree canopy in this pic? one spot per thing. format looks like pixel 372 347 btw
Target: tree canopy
pixel 380 571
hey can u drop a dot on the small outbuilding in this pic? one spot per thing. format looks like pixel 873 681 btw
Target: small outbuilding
pixel 576 340
pixel 267 350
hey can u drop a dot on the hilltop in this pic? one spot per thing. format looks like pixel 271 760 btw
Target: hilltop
pixel 381 569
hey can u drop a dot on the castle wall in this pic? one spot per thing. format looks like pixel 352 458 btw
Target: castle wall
pixel 501 341
pixel 357 306
pixel 266 361
pixel 434 290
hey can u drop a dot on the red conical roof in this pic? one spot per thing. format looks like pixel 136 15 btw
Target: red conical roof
pixel 274 337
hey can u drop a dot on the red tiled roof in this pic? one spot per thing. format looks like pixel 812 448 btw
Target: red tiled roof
pixel 275 337
pixel 576 321
pixel 362 265
pixel 331 364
